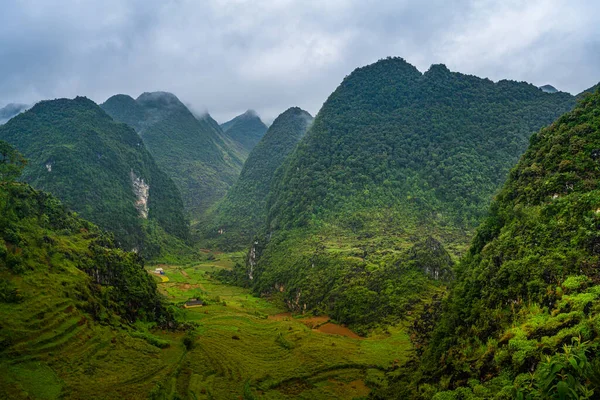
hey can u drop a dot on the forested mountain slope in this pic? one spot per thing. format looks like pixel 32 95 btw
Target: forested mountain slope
pixel 192 151
pixel 101 169
pixel 246 129
pixel 240 215
pixel 523 318
pixel 394 159
pixel 67 295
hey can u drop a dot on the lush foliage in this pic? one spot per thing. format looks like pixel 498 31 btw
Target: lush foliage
pixel 192 151
pixel 243 211
pixel 246 129
pixel 529 283
pixel 79 154
pixel 393 157
pixel 442 142
pixel 38 233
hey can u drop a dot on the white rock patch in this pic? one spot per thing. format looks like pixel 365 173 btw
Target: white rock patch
pixel 141 190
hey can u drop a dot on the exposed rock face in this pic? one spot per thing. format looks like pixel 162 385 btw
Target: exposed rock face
pixel 141 190
pixel 252 260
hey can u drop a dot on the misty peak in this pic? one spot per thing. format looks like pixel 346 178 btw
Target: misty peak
pixel 250 113
pixel 548 89
pixel 158 99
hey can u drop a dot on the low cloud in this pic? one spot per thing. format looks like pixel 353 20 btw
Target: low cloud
pixel 229 56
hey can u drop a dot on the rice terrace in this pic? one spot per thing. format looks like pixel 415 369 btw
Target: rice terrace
pixel 256 347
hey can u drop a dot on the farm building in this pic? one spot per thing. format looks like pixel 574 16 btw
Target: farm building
pixel 193 303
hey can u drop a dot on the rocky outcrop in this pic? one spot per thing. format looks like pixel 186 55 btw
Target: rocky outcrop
pixel 141 190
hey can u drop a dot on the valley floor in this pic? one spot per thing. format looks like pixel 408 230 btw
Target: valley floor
pixel 245 347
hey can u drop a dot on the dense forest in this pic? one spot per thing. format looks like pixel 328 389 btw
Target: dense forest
pixel 240 215
pixel 102 170
pixel 395 159
pixel 426 236
pixel 246 129
pixel 192 151
pixel 522 319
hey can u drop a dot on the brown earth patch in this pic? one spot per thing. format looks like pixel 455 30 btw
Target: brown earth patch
pixel 333 329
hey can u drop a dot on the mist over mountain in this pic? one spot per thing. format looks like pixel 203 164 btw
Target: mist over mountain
pixel 192 151
pixel 246 129
pixel 10 110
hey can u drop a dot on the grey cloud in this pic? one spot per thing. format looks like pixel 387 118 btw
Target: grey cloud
pixel 227 56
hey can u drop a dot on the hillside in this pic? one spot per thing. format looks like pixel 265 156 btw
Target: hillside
pixel 523 318
pixel 239 216
pixel 591 90
pixel 100 169
pixel 246 129
pixel 68 297
pixel 191 151
pixel 394 159
pixel 81 319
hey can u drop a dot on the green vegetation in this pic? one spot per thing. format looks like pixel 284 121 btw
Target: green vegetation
pixel 246 129
pixel 83 319
pixel 194 152
pixel 523 318
pixel 102 170
pixel 244 346
pixel 239 216
pixel 393 158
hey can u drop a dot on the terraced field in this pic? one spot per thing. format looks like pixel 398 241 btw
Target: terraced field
pixel 244 347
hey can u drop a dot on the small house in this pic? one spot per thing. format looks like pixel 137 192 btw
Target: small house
pixel 159 271
pixel 193 303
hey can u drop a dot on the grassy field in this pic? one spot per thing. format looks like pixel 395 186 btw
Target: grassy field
pixel 249 347
pixel 244 347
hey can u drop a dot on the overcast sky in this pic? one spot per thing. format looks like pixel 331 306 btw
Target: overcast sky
pixel 226 56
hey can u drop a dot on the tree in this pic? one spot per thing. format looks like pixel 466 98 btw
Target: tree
pixel 11 162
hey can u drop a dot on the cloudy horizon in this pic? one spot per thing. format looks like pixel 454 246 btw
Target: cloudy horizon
pixel 226 56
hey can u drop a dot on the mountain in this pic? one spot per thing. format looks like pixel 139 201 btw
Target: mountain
pixel 593 89
pixel 101 169
pixel 241 213
pixel 246 129
pixel 394 160
pixel 548 89
pixel 68 299
pixel 523 318
pixel 192 151
pixel 10 110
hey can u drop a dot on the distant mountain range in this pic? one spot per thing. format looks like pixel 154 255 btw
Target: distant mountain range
pixel 246 129
pixel 240 215
pixel 202 161
pixel 101 169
